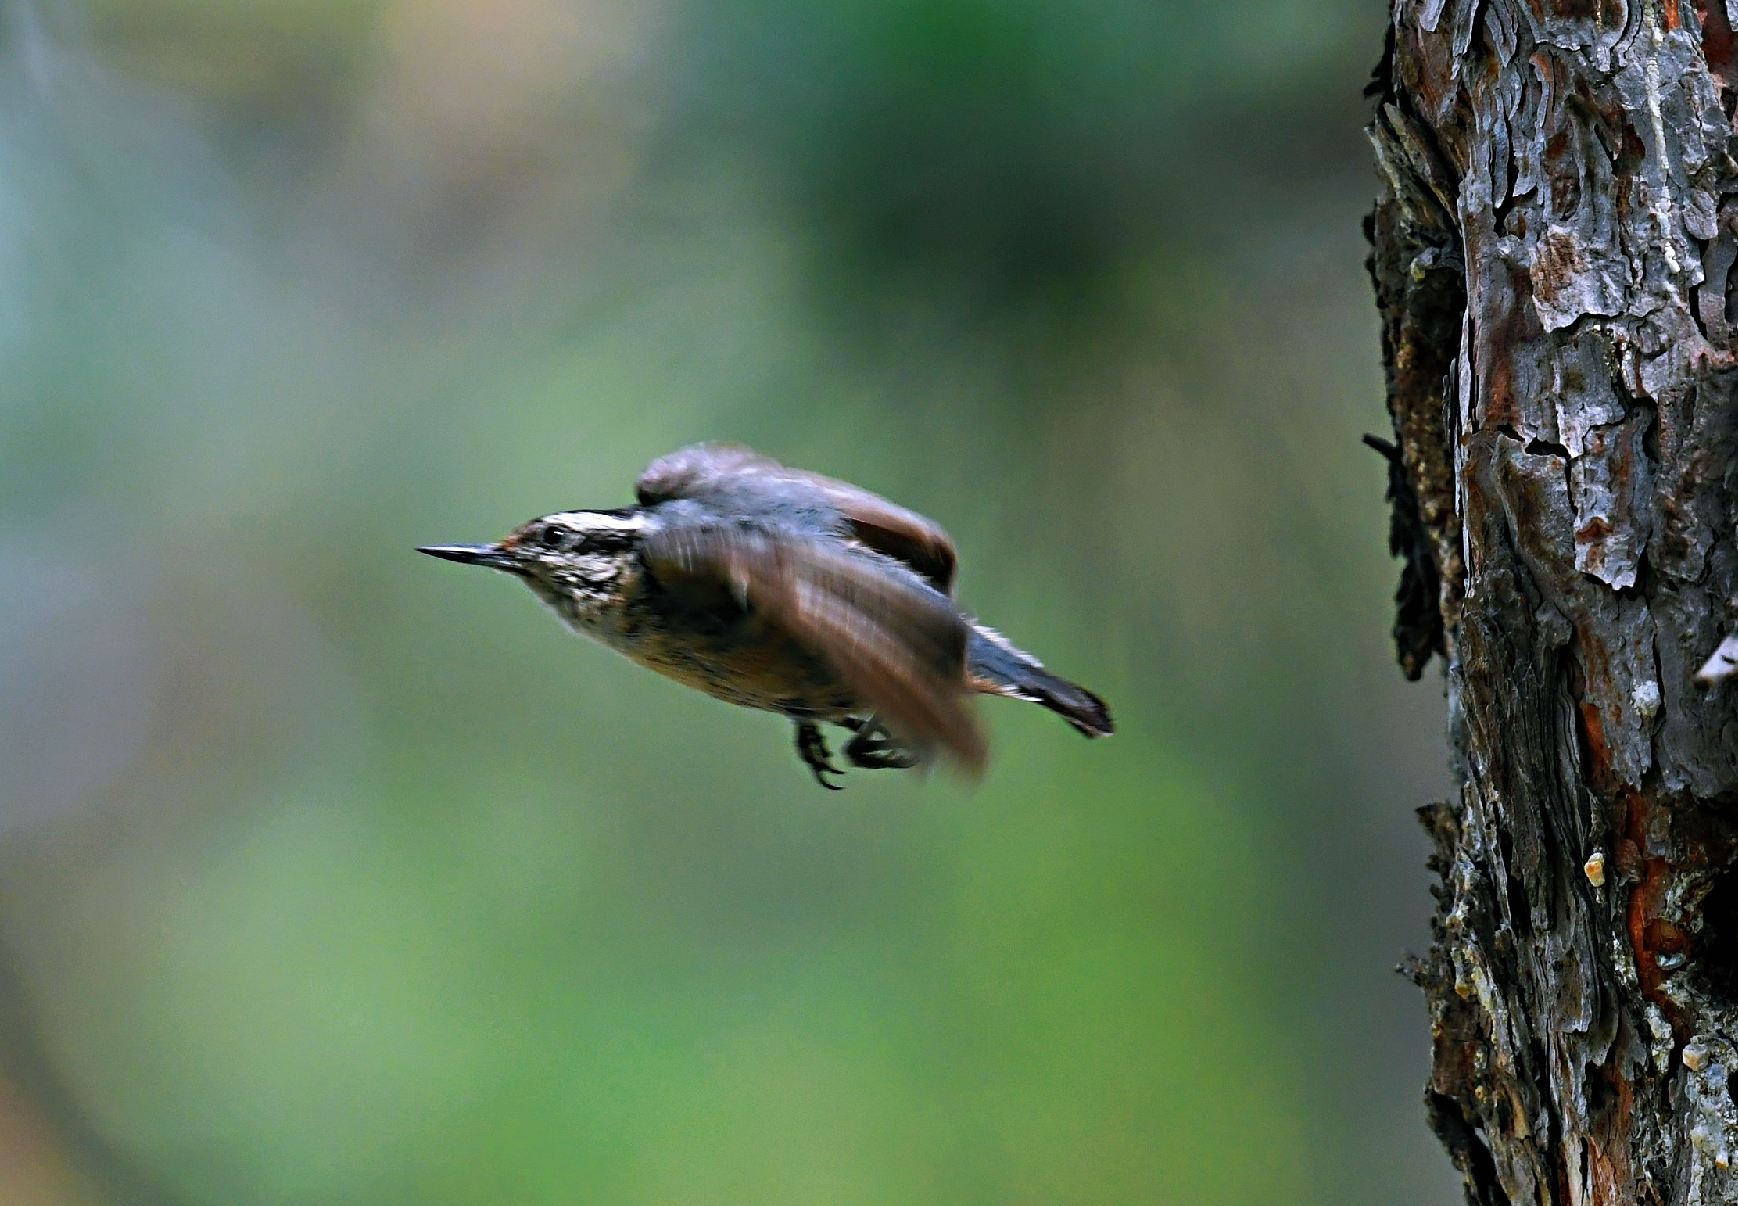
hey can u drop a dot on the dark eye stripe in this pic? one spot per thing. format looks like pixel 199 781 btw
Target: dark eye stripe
pixel 607 541
pixel 560 538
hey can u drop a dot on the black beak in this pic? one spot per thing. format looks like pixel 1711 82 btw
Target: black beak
pixel 492 556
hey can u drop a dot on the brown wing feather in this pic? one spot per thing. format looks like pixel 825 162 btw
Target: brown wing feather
pixel 899 646
pixel 695 470
pixel 884 526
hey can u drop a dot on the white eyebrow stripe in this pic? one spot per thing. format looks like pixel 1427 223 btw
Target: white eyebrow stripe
pixel 591 521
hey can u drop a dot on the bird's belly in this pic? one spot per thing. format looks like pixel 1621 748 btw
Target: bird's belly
pixel 752 666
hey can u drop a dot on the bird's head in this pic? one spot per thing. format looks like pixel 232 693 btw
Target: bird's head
pixel 579 562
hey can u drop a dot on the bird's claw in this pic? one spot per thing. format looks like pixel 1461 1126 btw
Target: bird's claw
pixel 873 748
pixel 812 749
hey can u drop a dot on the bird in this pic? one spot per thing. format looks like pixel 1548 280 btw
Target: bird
pixel 783 590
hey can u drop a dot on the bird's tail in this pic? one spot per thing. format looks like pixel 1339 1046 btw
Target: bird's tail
pixel 995 667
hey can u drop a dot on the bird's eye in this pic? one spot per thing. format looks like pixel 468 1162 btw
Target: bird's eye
pixel 552 538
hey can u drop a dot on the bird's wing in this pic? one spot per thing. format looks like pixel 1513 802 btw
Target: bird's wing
pixel 899 645
pixel 723 471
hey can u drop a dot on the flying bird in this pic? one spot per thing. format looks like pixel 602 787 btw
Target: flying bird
pixel 783 590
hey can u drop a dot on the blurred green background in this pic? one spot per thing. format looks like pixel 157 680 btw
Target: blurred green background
pixel 332 875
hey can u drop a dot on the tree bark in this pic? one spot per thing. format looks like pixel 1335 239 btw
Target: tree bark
pixel 1552 248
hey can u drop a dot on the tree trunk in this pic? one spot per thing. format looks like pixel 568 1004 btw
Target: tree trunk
pixel 1552 248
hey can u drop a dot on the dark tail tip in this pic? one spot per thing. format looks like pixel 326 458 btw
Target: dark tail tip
pixel 997 668
pixel 1086 712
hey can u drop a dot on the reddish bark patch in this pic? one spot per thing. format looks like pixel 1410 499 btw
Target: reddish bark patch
pixel 1427 72
pixel 1604 13
pixel 1600 777
pixel 1511 327
pixel 1609 1174
pixel 1717 39
pixel 1556 265
pixel 1592 536
pixel 1650 933
pixel 1562 170
pixel 1501 408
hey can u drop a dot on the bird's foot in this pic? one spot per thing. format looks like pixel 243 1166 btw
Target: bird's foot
pixel 812 749
pixel 873 747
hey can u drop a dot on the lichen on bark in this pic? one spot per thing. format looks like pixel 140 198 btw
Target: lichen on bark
pixel 1552 250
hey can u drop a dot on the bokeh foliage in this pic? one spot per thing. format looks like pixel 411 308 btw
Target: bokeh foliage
pixel 336 875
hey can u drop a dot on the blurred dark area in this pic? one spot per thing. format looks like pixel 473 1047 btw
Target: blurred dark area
pixel 329 876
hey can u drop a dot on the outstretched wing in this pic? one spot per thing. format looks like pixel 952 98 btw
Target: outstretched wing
pixel 899 645
pixel 732 473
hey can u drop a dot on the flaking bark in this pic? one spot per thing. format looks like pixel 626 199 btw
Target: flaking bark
pixel 1552 247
